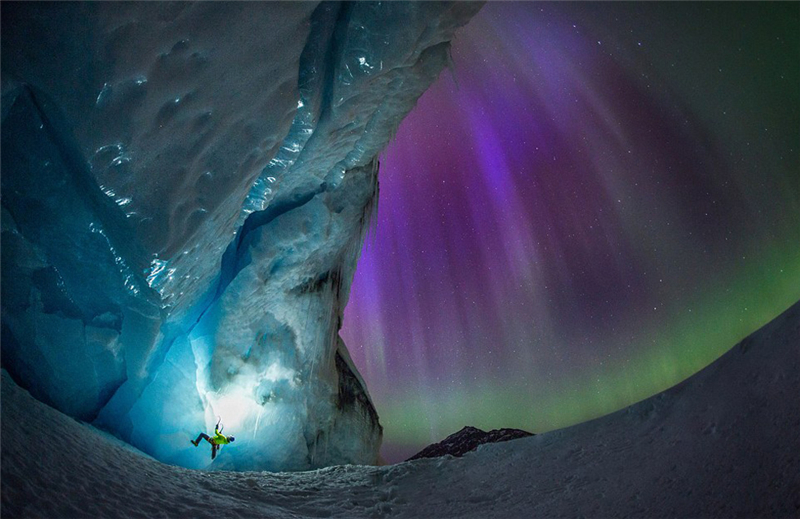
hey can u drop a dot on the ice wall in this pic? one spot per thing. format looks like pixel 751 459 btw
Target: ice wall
pixel 185 190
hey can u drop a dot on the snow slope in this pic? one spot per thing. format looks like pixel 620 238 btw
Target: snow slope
pixel 724 443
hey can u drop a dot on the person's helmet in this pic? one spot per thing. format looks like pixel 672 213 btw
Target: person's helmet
pixel 231 438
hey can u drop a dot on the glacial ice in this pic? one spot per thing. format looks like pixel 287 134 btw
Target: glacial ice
pixel 185 191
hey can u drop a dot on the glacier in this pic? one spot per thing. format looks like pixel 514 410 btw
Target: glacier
pixel 185 191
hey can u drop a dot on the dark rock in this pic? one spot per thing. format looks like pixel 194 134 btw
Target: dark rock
pixel 466 440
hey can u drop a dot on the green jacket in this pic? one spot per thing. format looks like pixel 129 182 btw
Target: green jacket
pixel 219 439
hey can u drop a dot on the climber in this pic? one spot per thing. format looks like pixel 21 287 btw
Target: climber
pixel 216 442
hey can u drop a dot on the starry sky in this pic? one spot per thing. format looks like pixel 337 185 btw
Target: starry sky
pixel 595 202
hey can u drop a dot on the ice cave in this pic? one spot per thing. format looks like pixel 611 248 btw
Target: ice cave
pixel 189 187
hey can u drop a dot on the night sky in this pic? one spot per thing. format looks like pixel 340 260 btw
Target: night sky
pixel 594 203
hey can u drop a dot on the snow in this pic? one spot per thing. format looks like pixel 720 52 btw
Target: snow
pixel 723 443
pixel 186 190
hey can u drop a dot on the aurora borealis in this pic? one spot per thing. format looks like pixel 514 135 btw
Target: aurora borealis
pixel 596 202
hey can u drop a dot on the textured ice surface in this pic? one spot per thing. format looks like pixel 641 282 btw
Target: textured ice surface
pixel 723 443
pixel 185 191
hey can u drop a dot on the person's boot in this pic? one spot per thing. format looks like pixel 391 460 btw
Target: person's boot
pixel 194 442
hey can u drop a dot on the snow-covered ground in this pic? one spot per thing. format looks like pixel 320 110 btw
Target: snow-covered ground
pixel 724 443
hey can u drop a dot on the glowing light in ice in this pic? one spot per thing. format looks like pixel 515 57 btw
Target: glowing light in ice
pixel 236 409
pixel 239 412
